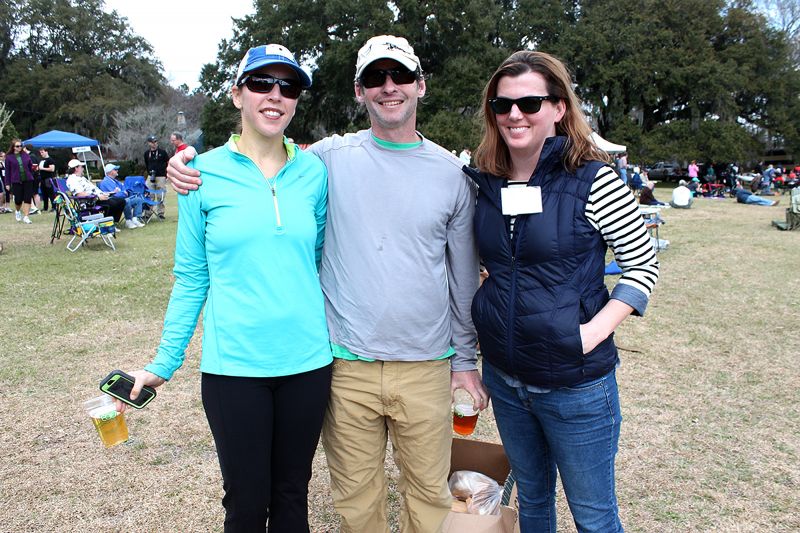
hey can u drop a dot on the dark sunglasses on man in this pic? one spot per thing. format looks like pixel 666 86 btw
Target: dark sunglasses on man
pixel 526 104
pixel 377 77
pixel 264 84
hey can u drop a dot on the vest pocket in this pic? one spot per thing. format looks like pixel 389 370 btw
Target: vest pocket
pixel 566 336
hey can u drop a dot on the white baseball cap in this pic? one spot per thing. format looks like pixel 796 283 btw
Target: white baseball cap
pixel 387 47
pixel 74 163
pixel 109 167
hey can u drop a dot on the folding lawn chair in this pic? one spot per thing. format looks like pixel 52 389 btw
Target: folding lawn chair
pixel 136 186
pixel 652 221
pixel 60 218
pixel 155 201
pixel 85 206
pixel 792 213
pixel 85 227
pixel 59 185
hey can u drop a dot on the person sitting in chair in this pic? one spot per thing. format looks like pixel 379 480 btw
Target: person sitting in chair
pixel 133 204
pixel 646 197
pixel 80 187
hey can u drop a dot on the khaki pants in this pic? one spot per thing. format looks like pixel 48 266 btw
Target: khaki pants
pixel 409 401
pixel 158 183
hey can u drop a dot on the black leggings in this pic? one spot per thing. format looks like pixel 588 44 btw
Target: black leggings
pixel 23 192
pixel 266 431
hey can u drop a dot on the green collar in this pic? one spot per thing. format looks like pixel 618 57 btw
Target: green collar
pixel 395 146
pixel 291 148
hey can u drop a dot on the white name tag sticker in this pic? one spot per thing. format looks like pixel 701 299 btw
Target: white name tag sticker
pixel 521 200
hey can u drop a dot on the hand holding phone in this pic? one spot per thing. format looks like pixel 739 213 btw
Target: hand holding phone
pixel 120 385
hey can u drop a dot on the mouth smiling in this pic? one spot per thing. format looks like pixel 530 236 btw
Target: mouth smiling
pixel 391 103
pixel 271 113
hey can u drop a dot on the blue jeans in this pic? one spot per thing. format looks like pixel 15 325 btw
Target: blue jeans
pixel 133 207
pixel 572 430
pixel 757 200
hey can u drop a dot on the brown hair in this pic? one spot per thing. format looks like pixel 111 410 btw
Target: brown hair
pixel 492 154
pixel 11 146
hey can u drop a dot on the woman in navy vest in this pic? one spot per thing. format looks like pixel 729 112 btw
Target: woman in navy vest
pixel 548 208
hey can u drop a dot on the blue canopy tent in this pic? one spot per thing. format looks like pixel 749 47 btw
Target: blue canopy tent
pixel 63 139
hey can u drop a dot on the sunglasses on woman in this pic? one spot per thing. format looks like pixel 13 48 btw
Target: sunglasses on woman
pixel 526 104
pixel 264 84
pixel 377 77
pixel 17 146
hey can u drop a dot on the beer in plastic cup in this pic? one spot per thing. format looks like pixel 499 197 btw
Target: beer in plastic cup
pixel 109 423
pixel 465 416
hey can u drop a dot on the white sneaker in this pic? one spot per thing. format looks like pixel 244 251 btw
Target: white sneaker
pixel 33 210
pixel 139 223
pixel 130 224
pixel 26 220
pixel 18 215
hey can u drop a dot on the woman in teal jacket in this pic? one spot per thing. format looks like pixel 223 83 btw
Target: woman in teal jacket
pixel 247 250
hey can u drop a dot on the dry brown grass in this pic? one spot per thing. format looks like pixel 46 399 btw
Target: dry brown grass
pixel 709 386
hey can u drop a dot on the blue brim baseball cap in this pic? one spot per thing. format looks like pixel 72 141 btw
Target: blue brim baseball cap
pixel 271 54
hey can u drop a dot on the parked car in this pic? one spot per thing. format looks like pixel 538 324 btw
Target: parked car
pixel 666 171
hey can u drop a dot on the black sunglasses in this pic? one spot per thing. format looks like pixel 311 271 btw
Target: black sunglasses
pixel 17 146
pixel 377 77
pixel 264 84
pixel 526 104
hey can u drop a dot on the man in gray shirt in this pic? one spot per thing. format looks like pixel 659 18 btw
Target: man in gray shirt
pixel 399 270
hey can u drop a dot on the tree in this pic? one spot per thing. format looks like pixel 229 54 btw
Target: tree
pixel 7 129
pixel 5 117
pixel 72 66
pixel 675 71
pixel 784 15
pixel 131 128
pixel 455 40
pixel 679 67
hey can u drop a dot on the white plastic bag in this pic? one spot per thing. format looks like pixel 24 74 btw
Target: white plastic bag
pixel 481 492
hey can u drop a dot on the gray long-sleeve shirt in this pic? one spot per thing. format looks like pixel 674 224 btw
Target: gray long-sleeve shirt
pixel 400 266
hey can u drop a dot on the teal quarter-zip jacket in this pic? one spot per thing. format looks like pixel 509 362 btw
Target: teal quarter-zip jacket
pixel 248 258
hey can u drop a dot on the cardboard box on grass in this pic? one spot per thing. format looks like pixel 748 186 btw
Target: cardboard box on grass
pixel 491 460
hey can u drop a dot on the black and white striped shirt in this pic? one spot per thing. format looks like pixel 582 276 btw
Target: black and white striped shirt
pixel 613 211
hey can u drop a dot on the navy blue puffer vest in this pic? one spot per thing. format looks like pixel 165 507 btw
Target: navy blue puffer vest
pixel 546 281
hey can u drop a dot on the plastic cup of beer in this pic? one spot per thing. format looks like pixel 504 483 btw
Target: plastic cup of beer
pixel 109 423
pixel 465 416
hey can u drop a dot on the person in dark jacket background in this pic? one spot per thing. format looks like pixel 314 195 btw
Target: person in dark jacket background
pixel 548 207
pixel 155 159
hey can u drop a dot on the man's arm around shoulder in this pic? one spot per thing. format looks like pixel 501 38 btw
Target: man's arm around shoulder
pixel 182 178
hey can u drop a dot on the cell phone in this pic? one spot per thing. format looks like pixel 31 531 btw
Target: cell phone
pixel 119 385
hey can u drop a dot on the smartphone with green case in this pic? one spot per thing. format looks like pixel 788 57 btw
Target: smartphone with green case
pixel 119 385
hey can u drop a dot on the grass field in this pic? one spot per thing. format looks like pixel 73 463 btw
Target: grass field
pixel 709 382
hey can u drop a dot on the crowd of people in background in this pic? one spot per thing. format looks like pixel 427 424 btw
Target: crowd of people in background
pixel 27 177
pixel 714 180
pixel 28 186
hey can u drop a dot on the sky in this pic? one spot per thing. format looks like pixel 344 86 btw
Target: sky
pixel 184 35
